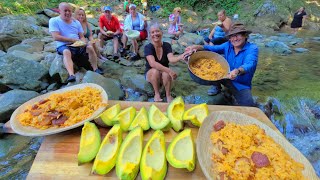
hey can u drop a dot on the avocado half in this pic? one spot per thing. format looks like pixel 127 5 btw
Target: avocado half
pixel 108 152
pixel 108 115
pixel 125 118
pixel 153 161
pixel 181 151
pixel 128 161
pixel 141 120
pixel 157 119
pixel 89 143
pixel 196 114
pixel 175 112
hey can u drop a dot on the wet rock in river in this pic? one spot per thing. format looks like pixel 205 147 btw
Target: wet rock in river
pixel 11 100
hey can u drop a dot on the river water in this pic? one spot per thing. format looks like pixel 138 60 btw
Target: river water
pixel 286 87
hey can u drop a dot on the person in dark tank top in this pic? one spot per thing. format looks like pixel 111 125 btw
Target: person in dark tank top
pixel 159 55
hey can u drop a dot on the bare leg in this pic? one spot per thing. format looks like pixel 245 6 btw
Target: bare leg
pixel 135 46
pixel 115 44
pixel 92 57
pixel 124 41
pixel 67 60
pixel 101 38
pixel 154 77
pixel 167 82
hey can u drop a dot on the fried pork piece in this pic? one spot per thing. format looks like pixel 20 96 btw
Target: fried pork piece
pixel 219 125
pixel 259 159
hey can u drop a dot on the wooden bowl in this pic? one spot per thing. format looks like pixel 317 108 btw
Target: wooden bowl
pixel 204 145
pixel 18 128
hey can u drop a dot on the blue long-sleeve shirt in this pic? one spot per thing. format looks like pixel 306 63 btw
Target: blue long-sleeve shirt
pixel 247 58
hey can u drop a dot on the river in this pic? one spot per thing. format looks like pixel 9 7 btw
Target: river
pixel 286 87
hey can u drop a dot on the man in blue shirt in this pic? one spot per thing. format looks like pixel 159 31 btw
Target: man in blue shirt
pixel 65 30
pixel 242 57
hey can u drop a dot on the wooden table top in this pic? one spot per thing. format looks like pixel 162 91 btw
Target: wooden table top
pixel 57 156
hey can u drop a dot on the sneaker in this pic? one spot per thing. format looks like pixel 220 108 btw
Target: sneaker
pixel 121 50
pixel 115 56
pixel 99 71
pixel 71 78
pixel 214 90
pixel 134 57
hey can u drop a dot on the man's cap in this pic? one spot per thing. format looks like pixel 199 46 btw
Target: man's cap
pixel 107 8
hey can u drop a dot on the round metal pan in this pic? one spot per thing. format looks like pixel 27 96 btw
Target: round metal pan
pixel 207 55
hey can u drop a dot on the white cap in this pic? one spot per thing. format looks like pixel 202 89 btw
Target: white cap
pixel 132 5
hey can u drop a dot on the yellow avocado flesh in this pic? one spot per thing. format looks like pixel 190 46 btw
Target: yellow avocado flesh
pixel 89 143
pixel 157 119
pixel 196 114
pixel 108 152
pixel 141 120
pixel 181 152
pixel 128 160
pixel 175 113
pixel 153 161
pixel 125 117
pixel 110 114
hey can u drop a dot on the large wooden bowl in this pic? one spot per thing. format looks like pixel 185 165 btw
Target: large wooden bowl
pixel 18 128
pixel 204 145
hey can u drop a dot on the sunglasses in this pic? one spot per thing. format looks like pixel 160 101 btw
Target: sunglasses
pixel 179 11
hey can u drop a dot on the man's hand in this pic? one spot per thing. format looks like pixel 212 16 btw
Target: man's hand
pixel 233 74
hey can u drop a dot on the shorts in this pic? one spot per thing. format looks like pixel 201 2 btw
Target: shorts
pixel 75 51
pixel 79 56
pixel 143 34
pixel 109 38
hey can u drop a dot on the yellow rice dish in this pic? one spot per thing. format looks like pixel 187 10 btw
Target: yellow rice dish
pixel 246 152
pixel 207 69
pixel 61 110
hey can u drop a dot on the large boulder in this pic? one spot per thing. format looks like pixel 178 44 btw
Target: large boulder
pixel 36 43
pixel 18 73
pixel 188 39
pixel 279 47
pixel 13 29
pixel 132 79
pixel 57 69
pixel 111 86
pixel 11 100
pixel 27 56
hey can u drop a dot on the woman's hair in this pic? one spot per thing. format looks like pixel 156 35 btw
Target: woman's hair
pixel 155 25
pixel 77 11
pixel 177 9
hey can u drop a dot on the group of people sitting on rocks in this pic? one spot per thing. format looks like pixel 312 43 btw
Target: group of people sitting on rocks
pixel 226 38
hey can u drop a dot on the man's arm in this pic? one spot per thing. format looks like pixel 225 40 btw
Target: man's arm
pixel 58 37
pixel 250 61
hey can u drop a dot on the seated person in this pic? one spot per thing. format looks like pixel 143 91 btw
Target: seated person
pixel 110 23
pixel 80 15
pixel 65 30
pixel 175 23
pixel 242 57
pixel 134 21
pixel 217 35
pixel 159 55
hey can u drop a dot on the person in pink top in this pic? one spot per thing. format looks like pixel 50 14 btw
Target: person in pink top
pixel 175 22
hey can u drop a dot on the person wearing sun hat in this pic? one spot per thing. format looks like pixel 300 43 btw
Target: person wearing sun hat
pixel 242 57
pixel 110 29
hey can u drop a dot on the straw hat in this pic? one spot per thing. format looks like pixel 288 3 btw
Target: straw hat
pixel 238 28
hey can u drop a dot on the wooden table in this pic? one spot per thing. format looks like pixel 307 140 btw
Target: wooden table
pixel 57 156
